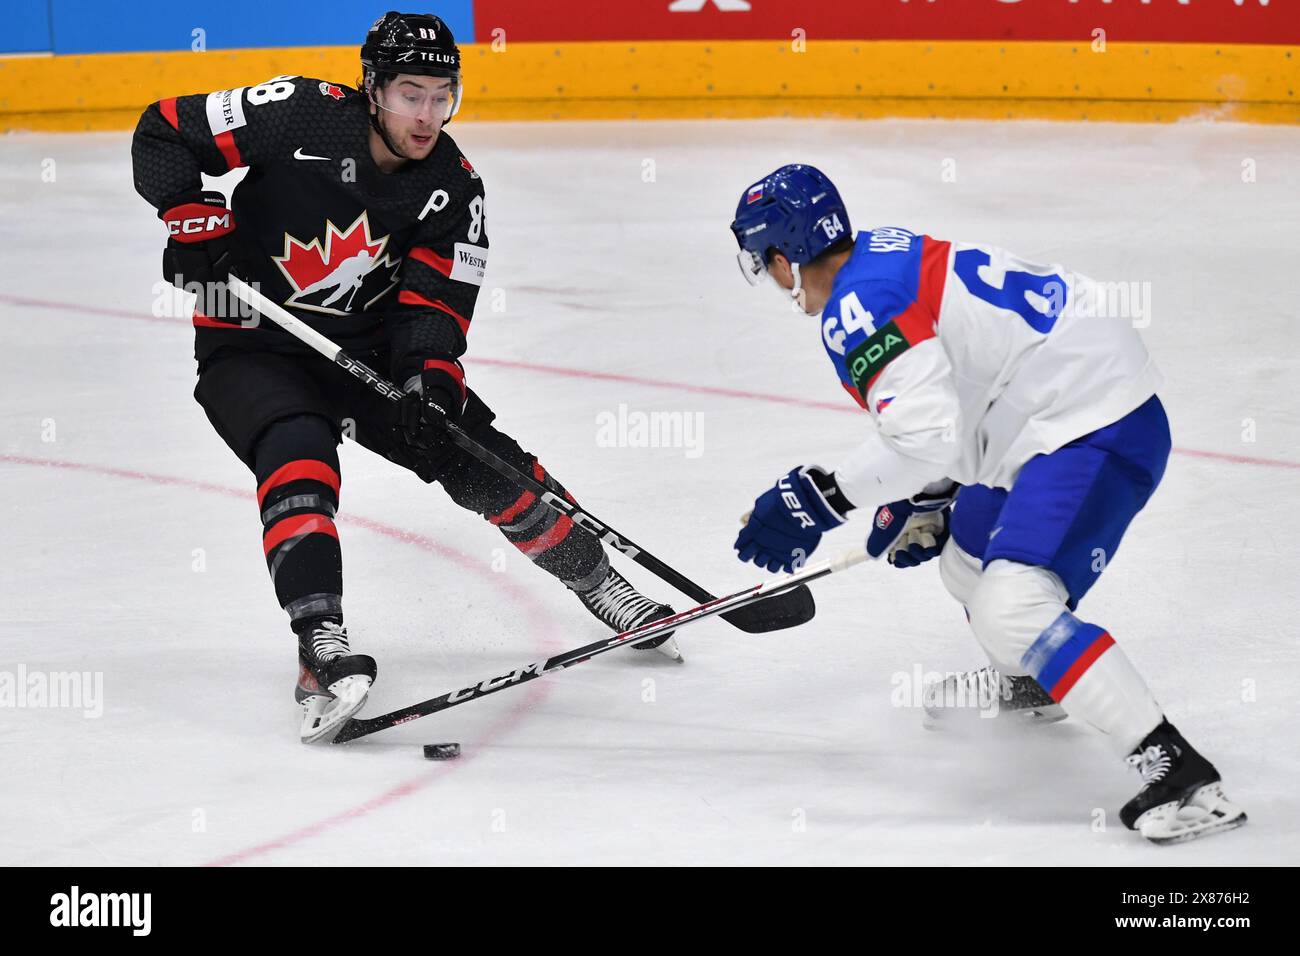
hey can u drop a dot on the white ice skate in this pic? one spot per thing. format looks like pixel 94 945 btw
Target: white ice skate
pixel 622 607
pixel 333 683
pixel 988 693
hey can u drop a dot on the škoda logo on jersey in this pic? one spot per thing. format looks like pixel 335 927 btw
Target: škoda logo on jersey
pixel 345 273
pixel 870 358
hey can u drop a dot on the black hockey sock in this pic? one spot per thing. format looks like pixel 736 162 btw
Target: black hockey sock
pixel 298 488
pixel 549 538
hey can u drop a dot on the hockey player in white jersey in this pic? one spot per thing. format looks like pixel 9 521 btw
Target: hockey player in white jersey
pixel 1013 430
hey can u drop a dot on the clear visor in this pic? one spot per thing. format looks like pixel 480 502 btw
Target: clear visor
pixel 410 100
pixel 752 266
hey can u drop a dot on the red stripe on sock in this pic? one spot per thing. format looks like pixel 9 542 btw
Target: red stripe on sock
pixel 295 527
pixel 549 539
pixel 302 470
pixel 1071 676
pixel 515 510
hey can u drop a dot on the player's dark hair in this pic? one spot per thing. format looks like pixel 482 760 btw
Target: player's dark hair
pixel 840 245
pixel 843 244
pixel 381 79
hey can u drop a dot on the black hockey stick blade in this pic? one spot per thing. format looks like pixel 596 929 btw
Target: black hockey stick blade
pixel 788 609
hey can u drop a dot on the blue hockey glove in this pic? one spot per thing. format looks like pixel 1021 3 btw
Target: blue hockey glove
pixel 912 531
pixel 788 520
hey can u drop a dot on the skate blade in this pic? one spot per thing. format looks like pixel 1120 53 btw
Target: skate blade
pixel 938 718
pixel 324 716
pixel 1205 812
pixel 967 710
pixel 1041 715
pixel 668 649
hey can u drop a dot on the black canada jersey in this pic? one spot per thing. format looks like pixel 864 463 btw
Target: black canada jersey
pixel 363 256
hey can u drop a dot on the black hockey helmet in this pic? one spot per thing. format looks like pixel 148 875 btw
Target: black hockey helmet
pixel 418 43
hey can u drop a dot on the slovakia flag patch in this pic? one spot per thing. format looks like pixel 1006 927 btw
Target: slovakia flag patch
pixel 755 194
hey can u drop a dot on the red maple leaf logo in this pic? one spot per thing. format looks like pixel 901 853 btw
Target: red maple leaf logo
pixel 338 266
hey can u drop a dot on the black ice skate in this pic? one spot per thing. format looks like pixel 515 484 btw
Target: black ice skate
pixel 621 607
pixel 989 692
pixel 1181 798
pixel 332 681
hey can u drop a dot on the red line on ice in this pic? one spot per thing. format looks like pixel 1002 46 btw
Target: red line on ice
pixel 592 374
pixel 93 310
pixel 525 701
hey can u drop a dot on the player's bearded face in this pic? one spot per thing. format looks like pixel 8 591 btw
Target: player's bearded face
pixel 412 110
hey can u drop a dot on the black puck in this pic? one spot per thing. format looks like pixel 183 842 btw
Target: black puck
pixel 441 751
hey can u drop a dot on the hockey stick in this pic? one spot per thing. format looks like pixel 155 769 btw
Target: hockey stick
pixel 795 607
pixel 364 726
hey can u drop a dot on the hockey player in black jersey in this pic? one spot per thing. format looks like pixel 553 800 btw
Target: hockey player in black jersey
pixel 362 217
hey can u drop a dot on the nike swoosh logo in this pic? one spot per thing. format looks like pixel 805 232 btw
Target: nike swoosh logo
pixel 299 154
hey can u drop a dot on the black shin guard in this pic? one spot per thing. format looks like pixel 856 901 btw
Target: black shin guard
pixel 537 530
pixel 298 493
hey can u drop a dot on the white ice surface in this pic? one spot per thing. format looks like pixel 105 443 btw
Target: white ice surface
pixel 782 748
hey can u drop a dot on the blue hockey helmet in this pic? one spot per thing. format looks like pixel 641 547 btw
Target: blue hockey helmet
pixel 795 210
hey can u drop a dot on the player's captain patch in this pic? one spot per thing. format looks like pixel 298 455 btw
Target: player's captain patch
pixel 468 263
pixel 870 358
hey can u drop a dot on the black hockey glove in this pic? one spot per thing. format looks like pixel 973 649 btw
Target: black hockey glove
pixel 199 246
pixel 201 252
pixel 436 396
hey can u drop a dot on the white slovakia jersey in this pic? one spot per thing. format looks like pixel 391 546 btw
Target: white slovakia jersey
pixel 972 361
